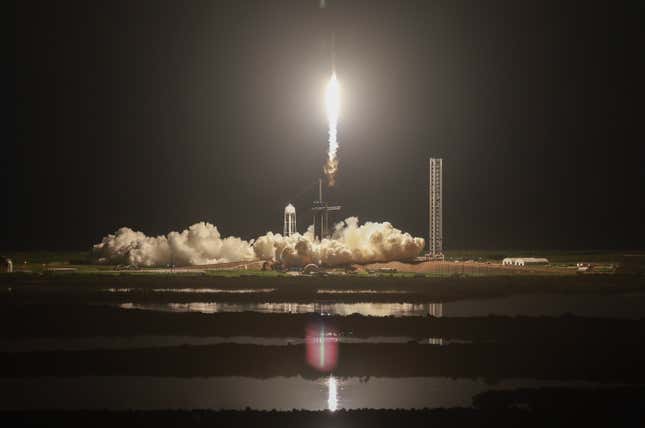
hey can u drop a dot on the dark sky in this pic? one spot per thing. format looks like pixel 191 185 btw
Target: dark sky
pixel 158 114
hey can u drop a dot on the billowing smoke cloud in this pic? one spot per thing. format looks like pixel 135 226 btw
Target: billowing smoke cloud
pixel 202 244
pixel 350 243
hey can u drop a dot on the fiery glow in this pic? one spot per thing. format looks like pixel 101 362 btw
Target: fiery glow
pixel 332 99
pixel 322 347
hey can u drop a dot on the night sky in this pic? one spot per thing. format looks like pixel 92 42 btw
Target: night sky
pixel 159 114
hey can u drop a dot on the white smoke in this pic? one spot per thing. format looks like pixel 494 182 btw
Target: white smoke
pixel 202 244
pixel 350 243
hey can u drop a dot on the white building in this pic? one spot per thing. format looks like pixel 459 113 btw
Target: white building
pixel 6 265
pixel 524 261
pixel 289 220
pixel 435 236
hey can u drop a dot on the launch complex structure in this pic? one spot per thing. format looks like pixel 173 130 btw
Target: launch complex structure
pixel 321 214
pixel 321 211
pixel 435 208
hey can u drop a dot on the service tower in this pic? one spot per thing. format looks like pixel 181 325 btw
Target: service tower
pixel 321 214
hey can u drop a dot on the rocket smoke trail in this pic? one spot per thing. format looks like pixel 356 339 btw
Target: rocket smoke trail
pixel 332 101
pixel 332 98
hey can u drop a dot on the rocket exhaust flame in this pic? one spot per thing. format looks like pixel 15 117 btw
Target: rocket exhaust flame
pixel 332 99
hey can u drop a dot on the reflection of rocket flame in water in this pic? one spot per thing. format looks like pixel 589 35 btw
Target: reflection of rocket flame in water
pixel 322 348
pixel 332 99
pixel 332 397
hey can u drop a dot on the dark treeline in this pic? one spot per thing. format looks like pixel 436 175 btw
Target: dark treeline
pixel 593 362
pixel 39 320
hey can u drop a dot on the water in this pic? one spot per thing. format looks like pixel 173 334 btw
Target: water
pixel 372 309
pixel 280 393
pixel 625 306
pixel 194 290
pixel 134 342
pixel 361 291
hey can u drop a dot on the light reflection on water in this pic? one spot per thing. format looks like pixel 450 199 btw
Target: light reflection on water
pixel 361 291
pixel 135 342
pixel 332 396
pixel 603 306
pixel 214 290
pixel 371 309
pixel 194 290
pixel 322 347
pixel 280 393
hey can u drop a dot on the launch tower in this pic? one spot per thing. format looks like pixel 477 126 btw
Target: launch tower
pixel 321 214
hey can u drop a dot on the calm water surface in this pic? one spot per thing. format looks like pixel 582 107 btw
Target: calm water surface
pixel 630 306
pixel 195 290
pixel 134 342
pixel 239 392
pixel 373 309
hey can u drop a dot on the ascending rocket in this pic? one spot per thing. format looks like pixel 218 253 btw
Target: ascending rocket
pixel 332 102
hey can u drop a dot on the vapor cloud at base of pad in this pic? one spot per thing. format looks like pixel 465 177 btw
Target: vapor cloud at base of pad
pixel 202 243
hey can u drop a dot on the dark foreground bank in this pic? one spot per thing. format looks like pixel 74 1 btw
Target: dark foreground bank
pixel 553 407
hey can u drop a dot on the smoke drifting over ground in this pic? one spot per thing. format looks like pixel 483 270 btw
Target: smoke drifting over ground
pixel 350 243
pixel 202 243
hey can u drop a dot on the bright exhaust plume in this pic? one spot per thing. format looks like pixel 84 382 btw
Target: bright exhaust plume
pixel 332 101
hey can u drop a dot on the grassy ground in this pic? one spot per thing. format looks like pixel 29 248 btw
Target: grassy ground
pixel 479 263
pixel 554 256
pixel 56 257
pixel 244 272
pixel 65 287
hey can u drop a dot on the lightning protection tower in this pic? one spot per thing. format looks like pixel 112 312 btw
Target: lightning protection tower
pixel 289 220
pixel 435 241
